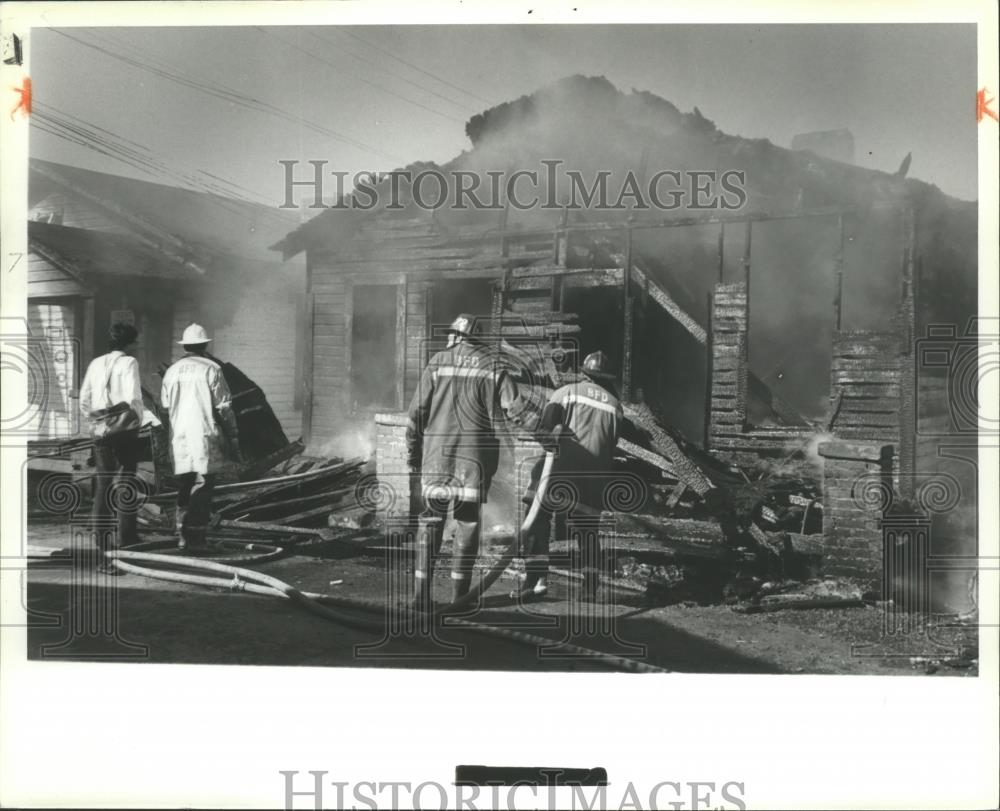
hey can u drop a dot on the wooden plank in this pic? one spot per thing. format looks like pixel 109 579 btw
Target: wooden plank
pixel 671 307
pixel 748 443
pixel 664 444
pixel 401 341
pixel 873 390
pixel 650 457
pixel 747 245
pixel 856 405
pixel 627 331
pixel 88 348
pixel 348 392
pixel 878 363
pixel 711 374
pixel 560 271
pixel 865 376
pixel 531 283
pixel 867 418
pixel 277 529
pixel 675 495
pixel 597 278
pixel 56 289
pixel 546 317
pixel 308 348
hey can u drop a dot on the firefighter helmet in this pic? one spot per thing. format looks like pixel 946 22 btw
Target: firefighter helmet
pixel 462 325
pixel 194 334
pixel 596 364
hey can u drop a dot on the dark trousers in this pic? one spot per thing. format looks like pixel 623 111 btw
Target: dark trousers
pixel 116 491
pixel 461 521
pixel 581 526
pixel 194 507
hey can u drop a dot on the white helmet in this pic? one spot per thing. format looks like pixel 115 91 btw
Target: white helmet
pixel 194 334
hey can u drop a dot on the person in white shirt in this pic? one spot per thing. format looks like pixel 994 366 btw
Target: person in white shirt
pixel 110 379
pixel 203 433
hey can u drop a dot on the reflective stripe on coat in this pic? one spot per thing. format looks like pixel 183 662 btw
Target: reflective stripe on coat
pixel 451 435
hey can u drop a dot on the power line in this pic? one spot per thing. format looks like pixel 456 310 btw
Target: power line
pixel 462 105
pixel 231 95
pixel 417 68
pixel 105 142
pixel 362 79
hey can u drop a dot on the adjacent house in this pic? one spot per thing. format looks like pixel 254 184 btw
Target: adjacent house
pixel 105 248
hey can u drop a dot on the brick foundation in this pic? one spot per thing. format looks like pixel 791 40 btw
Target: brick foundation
pixel 857 487
pixel 391 468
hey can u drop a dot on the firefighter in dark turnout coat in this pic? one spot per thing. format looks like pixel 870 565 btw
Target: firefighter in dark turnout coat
pixel 451 440
pixel 581 424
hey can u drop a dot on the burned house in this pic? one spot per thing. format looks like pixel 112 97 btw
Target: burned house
pixel 791 324
pixel 105 248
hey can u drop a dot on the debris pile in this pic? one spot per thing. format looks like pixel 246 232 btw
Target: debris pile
pixel 706 530
pixel 304 497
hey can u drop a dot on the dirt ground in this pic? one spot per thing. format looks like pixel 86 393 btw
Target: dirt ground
pixel 170 622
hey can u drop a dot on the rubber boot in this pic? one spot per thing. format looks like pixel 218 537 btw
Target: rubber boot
pixel 536 559
pixel 428 546
pixel 534 585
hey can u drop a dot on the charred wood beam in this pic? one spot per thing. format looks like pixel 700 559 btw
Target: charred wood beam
pixel 278 529
pixel 269 461
pixel 671 307
pixel 686 470
pixel 650 457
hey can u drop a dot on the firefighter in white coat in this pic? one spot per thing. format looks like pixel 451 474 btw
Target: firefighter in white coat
pixel 203 433
pixel 114 378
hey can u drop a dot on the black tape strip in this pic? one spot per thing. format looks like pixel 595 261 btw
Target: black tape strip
pixel 529 776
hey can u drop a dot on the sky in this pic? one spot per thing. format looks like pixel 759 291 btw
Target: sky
pixel 232 102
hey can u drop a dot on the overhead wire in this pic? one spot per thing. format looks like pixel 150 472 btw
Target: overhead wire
pixel 361 79
pixel 417 68
pixel 225 93
pixel 381 66
pixel 78 131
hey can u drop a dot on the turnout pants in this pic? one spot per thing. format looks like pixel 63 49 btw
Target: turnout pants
pixel 194 507
pixel 577 525
pixel 458 522
pixel 116 491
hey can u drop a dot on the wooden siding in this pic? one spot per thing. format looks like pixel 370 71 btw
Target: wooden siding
pixel 45 280
pixel 330 373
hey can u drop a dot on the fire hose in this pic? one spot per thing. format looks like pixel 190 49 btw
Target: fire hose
pixel 508 554
pixel 251 582
pixel 247 580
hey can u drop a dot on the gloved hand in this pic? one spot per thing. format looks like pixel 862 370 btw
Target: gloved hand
pixel 550 441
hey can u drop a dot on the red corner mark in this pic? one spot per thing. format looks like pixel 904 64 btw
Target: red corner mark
pixel 982 106
pixel 24 103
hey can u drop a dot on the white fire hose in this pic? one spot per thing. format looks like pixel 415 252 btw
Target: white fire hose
pixel 247 580
pixel 508 554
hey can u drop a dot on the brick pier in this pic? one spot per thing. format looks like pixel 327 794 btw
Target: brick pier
pixel 857 487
